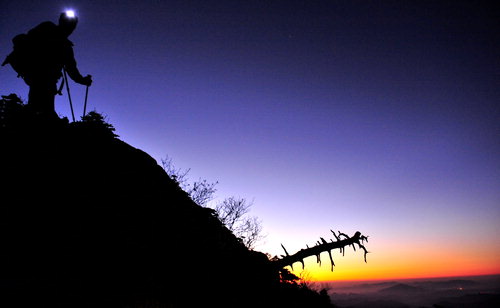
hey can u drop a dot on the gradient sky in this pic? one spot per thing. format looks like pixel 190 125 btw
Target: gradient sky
pixel 377 116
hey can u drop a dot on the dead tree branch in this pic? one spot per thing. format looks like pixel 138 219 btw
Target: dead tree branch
pixel 341 241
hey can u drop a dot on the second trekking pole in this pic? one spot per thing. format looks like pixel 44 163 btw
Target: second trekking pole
pixel 69 94
pixel 85 104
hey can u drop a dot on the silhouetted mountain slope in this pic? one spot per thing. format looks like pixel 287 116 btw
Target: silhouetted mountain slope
pixel 400 288
pixel 88 220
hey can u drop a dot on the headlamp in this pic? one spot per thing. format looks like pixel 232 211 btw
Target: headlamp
pixel 70 13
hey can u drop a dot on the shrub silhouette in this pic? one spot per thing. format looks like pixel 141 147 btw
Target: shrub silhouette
pixel 96 125
pixel 11 107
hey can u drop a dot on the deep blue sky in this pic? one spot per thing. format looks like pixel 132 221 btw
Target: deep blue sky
pixel 378 116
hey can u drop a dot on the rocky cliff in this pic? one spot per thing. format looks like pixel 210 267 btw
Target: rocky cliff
pixel 88 220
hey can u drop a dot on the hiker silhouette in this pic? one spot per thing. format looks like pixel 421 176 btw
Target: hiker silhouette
pixel 39 58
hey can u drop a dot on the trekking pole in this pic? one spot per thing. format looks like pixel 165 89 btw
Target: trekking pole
pixel 69 94
pixel 85 104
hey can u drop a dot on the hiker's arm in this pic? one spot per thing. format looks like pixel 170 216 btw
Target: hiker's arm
pixel 72 70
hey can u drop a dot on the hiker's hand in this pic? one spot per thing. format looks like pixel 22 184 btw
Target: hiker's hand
pixel 87 80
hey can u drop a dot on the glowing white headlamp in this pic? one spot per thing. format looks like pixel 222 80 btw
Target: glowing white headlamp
pixel 70 13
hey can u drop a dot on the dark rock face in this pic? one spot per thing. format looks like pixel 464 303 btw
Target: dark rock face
pixel 86 218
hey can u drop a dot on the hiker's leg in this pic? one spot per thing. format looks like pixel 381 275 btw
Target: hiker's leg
pixel 41 97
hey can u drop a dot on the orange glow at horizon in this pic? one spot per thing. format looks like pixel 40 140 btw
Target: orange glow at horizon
pixel 407 262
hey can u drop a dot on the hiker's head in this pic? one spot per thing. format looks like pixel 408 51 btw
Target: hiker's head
pixel 67 22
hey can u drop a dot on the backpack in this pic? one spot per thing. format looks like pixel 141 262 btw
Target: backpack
pixel 30 48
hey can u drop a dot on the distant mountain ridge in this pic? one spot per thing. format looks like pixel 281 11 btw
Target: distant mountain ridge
pixel 453 283
pixel 470 292
pixel 401 287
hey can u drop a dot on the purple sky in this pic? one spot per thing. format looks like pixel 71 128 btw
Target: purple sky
pixel 377 116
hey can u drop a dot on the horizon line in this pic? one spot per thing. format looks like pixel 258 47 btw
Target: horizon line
pixel 409 278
